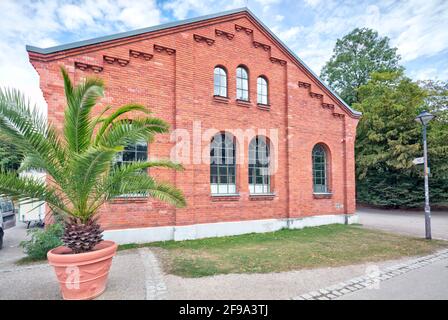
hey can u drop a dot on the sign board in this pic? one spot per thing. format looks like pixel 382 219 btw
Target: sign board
pixel 420 160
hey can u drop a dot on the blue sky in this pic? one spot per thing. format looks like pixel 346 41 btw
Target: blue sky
pixel 418 28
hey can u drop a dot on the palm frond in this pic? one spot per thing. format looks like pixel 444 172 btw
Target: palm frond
pixel 29 132
pixel 106 123
pixel 125 131
pixel 80 101
pixel 28 188
pixel 86 169
pixel 145 184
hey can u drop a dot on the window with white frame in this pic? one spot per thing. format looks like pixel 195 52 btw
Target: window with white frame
pixel 222 164
pixel 262 90
pixel 242 84
pixel 220 82
pixel 132 153
pixel 259 166
pixel 320 169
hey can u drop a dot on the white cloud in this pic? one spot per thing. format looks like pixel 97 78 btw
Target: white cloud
pixel 43 23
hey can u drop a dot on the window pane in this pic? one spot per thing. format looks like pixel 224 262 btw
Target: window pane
pixel 319 169
pixel 259 166
pixel 220 82
pixel 222 158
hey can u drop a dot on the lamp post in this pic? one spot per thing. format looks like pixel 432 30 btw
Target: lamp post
pixel 423 118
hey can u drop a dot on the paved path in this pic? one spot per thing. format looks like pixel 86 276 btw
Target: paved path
pixel 12 251
pixel 407 280
pixel 428 282
pixel 405 222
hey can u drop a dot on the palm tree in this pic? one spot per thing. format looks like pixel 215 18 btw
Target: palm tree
pixel 79 161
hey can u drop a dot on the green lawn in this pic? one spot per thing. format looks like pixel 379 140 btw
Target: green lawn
pixel 284 250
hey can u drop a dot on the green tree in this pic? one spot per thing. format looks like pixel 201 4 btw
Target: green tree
pixel 10 157
pixel 388 139
pixel 79 162
pixel 354 58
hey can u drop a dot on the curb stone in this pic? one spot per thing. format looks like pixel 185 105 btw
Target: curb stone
pixel 358 283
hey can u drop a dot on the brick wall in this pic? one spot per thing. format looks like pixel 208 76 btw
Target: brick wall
pixel 176 83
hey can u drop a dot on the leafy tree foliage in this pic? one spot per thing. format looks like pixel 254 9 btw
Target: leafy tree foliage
pixel 10 157
pixel 355 57
pixel 388 139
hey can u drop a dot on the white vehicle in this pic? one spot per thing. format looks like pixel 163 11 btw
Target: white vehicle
pixel 32 212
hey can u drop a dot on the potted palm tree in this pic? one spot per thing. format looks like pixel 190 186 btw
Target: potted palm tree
pixel 81 174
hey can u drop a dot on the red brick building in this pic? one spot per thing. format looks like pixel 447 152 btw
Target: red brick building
pixel 220 76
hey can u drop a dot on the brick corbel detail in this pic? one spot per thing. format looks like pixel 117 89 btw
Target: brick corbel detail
pixel 338 115
pixel 140 54
pixel 327 106
pixel 199 38
pixel 277 60
pixel 221 33
pixel 85 67
pixel 316 95
pixel 161 49
pixel 241 28
pixel 304 85
pixel 262 45
pixel 112 60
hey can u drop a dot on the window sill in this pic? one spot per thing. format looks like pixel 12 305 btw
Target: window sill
pixel 243 103
pixel 225 197
pixel 265 107
pixel 327 195
pixel 124 199
pixel 262 197
pixel 221 99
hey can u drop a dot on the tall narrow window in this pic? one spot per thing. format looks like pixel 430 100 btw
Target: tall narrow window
pixel 220 82
pixel 222 164
pixel 259 166
pixel 242 84
pixel 262 90
pixel 320 168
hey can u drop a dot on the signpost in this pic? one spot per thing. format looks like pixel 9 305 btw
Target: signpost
pixel 420 160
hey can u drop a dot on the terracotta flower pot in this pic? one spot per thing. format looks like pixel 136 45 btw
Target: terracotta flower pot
pixel 82 276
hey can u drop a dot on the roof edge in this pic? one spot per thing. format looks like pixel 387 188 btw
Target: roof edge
pixel 117 36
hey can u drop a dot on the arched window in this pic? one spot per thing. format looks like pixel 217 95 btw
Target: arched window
pixel 259 166
pixel 320 169
pixel 220 82
pixel 222 164
pixel 242 84
pixel 262 90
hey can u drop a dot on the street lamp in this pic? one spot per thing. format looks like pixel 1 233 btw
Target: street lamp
pixel 423 118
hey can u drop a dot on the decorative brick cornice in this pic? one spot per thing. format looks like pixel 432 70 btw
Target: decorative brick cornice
pixel 338 115
pixel 85 67
pixel 140 54
pixel 262 45
pixel 316 95
pixel 327 106
pixel 160 49
pixel 221 33
pixel 277 60
pixel 305 85
pixel 112 60
pixel 245 29
pixel 199 38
